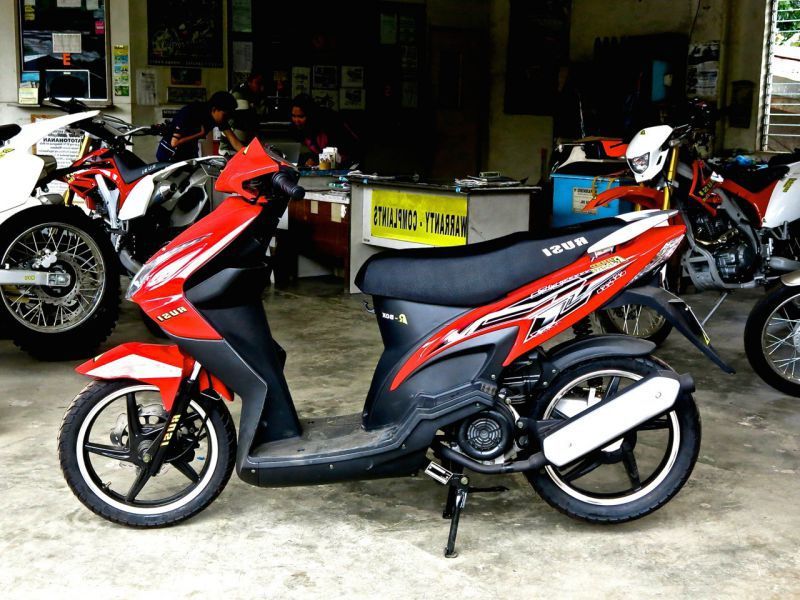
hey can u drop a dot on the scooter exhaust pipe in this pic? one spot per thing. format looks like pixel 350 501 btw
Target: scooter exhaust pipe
pixel 593 428
pixel 610 419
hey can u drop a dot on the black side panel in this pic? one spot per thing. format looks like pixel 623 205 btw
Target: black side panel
pixel 477 359
pixel 229 286
pixel 221 360
pixel 246 330
pixel 403 326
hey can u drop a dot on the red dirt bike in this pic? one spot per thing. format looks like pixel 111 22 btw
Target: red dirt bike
pixel 601 429
pixel 743 231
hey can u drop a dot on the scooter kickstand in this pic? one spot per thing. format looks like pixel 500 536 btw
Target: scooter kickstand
pixel 457 490
pixel 459 487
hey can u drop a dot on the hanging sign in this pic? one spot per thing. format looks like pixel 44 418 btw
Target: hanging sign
pixel 429 219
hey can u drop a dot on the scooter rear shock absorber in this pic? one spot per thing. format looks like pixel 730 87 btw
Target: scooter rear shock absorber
pixel 583 328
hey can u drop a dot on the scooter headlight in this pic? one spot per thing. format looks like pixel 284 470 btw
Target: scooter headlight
pixel 158 260
pixel 639 164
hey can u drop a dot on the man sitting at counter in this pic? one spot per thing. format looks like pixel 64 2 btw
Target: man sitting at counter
pixel 318 128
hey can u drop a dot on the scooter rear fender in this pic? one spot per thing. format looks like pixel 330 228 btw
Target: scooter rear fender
pixel 643 196
pixel 676 312
pixel 161 365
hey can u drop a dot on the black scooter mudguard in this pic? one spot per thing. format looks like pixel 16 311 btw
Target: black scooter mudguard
pixel 676 312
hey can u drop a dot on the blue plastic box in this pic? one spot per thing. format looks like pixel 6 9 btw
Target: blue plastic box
pixel 572 192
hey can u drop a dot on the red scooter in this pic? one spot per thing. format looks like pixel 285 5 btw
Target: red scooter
pixel 601 429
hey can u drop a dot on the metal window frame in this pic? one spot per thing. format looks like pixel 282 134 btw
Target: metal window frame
pixel 767 87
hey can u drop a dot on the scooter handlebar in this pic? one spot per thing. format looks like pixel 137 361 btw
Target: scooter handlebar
pixel 282 182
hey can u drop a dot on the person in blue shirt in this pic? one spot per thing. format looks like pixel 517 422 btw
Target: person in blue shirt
pixel 195 122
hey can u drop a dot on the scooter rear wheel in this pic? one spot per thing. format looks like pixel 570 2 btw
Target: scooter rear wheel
pixel 632 476
pixel 105 434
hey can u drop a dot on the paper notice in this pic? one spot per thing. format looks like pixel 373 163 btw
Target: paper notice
pixel 67 43
pixel 68 3
pixel 242 57
pixel 146 87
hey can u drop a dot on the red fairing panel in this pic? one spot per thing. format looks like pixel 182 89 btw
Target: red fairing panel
pixel 162 296
pixel 157 364
pixel 545 308
pixel 644 196
pixel 100 162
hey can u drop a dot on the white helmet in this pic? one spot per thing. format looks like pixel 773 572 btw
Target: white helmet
pixel 646 154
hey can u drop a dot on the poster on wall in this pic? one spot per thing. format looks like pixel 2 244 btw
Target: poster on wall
pixel 242 16
pixel 184 33
pixel 325 77
pixel 703 71
pixel 352 77
pixel 122 71
pixel 352 99
pixel 301 81
pixel 326 98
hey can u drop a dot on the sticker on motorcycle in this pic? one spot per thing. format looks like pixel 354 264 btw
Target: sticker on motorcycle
pixel 172 313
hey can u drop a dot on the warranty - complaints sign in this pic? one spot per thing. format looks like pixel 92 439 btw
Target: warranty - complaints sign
pixel 421 218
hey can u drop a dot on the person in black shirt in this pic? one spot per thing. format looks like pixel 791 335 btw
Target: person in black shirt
pixel 194 122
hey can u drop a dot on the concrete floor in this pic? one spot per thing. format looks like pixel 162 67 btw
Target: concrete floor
pixel 734 530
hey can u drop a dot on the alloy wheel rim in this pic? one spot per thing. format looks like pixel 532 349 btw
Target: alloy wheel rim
pixel 617 455
pixel 113 482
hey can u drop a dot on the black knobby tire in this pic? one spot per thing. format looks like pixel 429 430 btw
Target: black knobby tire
pixel 78 466
pixel 681 428
pixel 770 341
pixel 610 325
pixel 86 334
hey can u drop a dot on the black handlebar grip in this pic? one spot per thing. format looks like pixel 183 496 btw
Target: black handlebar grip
pixel 283 183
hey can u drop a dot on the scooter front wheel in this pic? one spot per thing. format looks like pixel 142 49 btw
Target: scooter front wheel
pixel 105 434
pixel 632 476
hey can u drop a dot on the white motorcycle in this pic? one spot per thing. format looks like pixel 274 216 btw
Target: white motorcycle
pixel 133 209
pixel 59 282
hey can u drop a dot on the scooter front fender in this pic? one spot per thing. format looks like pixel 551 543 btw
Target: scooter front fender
pixel 643 196
pixel 161 365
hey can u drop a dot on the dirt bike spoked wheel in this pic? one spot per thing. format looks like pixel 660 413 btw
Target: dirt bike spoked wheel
pixel 632 476
pixel 59 322
pixel 637 321
pixel 772 339
pixel 104 437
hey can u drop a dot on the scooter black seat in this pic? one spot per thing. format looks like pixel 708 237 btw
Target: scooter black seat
pixel 478 273
pixel 131 167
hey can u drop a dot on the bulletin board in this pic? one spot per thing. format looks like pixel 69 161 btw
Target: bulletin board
pixel 184 33
pixel 64 47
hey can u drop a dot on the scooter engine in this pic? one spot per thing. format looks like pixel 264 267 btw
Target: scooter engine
pixel 486 435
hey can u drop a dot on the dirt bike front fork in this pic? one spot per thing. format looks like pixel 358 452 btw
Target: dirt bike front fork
pixel 458 488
